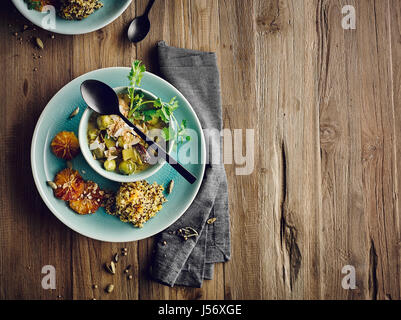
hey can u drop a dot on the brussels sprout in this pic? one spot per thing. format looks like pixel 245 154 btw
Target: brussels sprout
pixel 110 165
pixel 126 167
pixel 121 142
pixel 103 122
pixel 99 154
pixel 92 134
pixel 110 143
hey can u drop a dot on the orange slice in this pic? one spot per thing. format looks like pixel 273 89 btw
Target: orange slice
pixel 65 145
pixel 89 201
pixel 70 185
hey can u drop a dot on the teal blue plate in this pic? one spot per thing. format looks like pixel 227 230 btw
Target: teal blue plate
pixel 100 225
pixel 110 11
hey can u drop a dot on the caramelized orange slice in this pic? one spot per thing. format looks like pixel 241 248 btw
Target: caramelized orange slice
pixel 65 145
pixel 70 185
pixel 89 201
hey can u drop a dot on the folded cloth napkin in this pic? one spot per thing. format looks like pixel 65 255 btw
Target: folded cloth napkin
pixel 188 262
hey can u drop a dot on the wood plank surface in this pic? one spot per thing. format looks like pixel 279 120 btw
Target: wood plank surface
pixel 324 106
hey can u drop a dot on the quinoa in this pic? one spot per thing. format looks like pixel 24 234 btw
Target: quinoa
pixel 78 9
pixel 68 9
pixel 137 202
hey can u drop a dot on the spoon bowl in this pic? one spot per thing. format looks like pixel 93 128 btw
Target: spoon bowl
pixel 140 26
pixel 100 97
pixel 138 29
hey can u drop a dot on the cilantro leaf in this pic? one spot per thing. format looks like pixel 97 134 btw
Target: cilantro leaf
pixel 164 111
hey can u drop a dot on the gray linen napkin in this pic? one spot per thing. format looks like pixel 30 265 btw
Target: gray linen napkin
pixel 176 261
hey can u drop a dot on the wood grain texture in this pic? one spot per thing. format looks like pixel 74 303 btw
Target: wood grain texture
pixel 324 104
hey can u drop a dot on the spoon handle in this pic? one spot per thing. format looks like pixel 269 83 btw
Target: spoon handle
pixel 161 152
pixel 149 6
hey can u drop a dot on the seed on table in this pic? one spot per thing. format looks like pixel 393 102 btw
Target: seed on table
pixel 111 267
pixel 130 277
pixel 124 249
pixel 110 288
pixel 116 258
pixel 164 243
pixel 95 286
pixel 39 43
pixel 124 253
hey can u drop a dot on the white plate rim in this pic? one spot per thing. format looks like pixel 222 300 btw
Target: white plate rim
pixel 65 221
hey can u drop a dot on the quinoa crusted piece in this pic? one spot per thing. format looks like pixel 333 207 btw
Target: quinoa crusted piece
pixel 137 202
pixel 78 9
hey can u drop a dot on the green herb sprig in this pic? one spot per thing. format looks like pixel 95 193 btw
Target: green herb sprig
pixel 162 110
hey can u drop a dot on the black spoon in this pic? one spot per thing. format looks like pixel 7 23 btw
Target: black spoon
pixel 101 98
pixel 140 26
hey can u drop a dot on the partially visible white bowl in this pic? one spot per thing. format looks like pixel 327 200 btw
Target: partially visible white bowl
pixel 97 165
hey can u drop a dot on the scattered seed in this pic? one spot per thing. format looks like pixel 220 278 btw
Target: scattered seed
pixel 95 286
pixel 52 36
pixel 111 267
pixel 128 267
pixel 39 43
pixel 126 271
pixel 124 253
pixel 110 288
pixel 124 249
pixel 130 277
pixel 93 298
pixel 35 69
pixel 164 243
pixel 187 233
pixel 59 296
pixel 211 220
pixel 116 258
pixel 74 113
pixel 170 187
pixel 25 27
pixel 52 185
pixel 16 34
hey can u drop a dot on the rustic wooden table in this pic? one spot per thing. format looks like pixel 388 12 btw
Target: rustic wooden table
pixel 325 106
